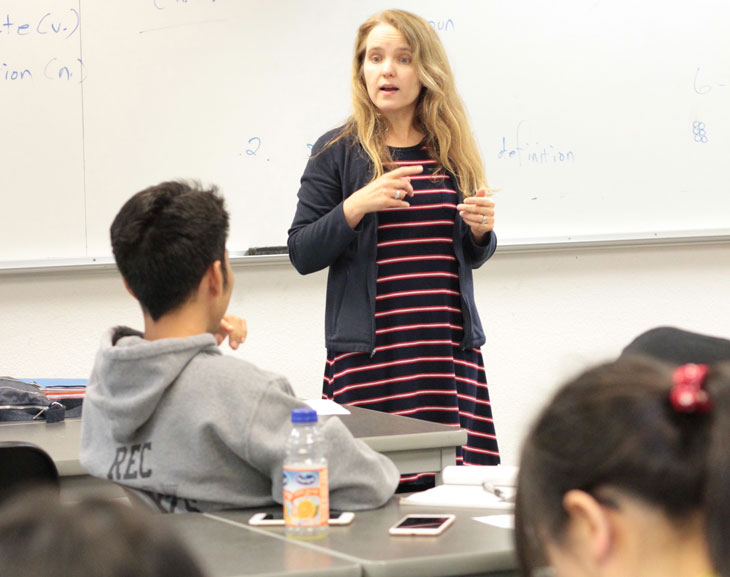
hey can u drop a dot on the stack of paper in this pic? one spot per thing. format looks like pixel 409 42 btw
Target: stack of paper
pixel 463 487
pixel 471 475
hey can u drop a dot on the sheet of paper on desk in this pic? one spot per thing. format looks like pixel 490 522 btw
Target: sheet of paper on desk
pixel 326 407
pixel 446 496
pixel 506 521
pixel 471 475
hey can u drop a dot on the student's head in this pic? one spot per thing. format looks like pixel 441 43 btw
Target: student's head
pixel 627 455
pixel 439 112
pixel 42 537
pixel 165 239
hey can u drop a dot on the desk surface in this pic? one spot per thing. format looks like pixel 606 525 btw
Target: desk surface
pixel 229 547
pixel 227 551
pixel 386 433
pixel 60 440
pixel 413 445
pixel 468 547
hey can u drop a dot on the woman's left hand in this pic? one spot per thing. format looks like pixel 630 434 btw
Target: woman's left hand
pixel 478 212
pixel 234 328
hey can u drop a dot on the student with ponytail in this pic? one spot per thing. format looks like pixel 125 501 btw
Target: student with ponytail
pixel 625 474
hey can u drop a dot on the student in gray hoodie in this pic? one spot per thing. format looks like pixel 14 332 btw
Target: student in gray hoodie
pixel 170 417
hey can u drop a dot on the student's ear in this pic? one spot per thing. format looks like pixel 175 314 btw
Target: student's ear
pixel 129 289
pixel 215 278
pixel 591 525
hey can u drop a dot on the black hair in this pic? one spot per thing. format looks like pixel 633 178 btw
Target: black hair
pixel 165 238
pixel 614 426
pixel 96 537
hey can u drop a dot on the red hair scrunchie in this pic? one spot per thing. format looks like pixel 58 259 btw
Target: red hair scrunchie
pixel 687 394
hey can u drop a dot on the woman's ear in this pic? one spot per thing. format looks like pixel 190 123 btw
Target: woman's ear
pixel 590 525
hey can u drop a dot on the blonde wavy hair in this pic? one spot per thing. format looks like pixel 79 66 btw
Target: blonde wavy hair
pixel 440 113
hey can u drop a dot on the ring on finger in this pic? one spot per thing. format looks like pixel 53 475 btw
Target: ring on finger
pixel 397 194
pixel 484 219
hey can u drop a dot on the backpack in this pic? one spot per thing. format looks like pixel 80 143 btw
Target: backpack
pixel 22 401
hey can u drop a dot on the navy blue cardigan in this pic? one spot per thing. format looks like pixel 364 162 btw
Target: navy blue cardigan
pixel 320 237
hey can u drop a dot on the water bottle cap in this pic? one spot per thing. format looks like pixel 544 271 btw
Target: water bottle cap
pixel 304 416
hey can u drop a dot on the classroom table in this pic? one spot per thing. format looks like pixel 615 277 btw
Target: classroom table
pixel 233 547
pixel 230 547
pixel 413 445
pixel 225 550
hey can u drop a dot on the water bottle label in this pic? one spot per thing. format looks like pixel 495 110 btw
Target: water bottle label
pixel 306 497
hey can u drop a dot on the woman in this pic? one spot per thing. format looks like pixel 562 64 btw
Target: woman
pixel 625 473
pixel 395 204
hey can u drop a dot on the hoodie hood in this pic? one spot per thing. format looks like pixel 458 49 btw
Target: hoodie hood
pixel 131 375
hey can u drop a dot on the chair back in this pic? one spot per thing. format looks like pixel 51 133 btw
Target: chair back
pixel 679 346
pixel 25 466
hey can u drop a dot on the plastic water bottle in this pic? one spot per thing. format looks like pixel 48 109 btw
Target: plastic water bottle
pixel 306 486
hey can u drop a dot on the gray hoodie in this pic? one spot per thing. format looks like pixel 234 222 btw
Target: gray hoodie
pixel 198 430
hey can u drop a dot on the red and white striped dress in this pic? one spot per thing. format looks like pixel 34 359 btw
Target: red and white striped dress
pixel 418 369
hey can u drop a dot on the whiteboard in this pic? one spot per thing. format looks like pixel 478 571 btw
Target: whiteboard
pixel 41 140
pixel 596 119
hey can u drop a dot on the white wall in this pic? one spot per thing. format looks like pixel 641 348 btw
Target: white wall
pixel 547 315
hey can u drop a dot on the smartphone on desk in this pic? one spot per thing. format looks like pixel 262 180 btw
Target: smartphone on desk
pixel 277 519
pixel 427 525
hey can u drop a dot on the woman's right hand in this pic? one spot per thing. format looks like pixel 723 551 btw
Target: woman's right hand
pixel 388 191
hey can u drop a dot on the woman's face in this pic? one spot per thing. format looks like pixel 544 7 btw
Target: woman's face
pixel 390 76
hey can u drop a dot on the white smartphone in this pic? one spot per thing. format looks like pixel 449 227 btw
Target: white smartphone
pixel 274 519
pixel 341 517
pixel 271 519
pixel 422 524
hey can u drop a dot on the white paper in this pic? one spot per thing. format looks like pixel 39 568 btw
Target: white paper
pixel 326 407
pixel 502 521
pixel 476 475
pixel 457 496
